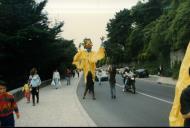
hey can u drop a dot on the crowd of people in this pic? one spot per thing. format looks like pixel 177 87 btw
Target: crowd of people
pixel 30 89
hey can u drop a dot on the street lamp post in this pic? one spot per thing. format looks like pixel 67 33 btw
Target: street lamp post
pixel 102 39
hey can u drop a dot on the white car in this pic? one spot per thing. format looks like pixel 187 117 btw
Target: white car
pixel 103 75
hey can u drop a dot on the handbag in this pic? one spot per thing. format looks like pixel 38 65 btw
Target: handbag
pixel 60 83
pixel 52 83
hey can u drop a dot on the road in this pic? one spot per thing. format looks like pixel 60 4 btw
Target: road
pixel 149 107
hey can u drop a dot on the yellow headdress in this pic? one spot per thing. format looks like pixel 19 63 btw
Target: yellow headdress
pixel 87 43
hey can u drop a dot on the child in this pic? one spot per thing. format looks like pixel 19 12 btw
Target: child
pixel 26 90
pixel 7 106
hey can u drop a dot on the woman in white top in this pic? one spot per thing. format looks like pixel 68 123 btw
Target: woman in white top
pixel 56 78
pixel 35 82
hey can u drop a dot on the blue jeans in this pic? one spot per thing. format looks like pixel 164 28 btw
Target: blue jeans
pixel 99 79
pixel 68 80
pixel 7 121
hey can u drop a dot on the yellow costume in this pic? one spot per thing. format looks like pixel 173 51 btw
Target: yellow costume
pixel 26 88
pixel 176 118
pixel 86 60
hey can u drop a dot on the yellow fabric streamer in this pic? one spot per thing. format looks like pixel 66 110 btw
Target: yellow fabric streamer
pixel 175 117
pixel 87 60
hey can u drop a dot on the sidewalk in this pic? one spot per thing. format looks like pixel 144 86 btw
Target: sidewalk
pixel 56 108
pixel 167 80
pixel 161 80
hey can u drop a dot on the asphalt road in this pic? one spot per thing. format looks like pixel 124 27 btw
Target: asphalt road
pixel 149 107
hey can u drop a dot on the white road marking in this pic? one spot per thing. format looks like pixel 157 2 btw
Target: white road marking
pixel 153 97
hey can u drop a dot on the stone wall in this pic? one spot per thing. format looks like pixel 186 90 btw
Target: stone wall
pixel 18 94
pixel 176 56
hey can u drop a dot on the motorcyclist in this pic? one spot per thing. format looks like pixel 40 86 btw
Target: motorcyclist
pixel 127 74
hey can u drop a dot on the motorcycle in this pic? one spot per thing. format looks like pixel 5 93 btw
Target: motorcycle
pixel 130 84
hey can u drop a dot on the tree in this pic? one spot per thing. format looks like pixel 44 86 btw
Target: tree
pixel 27 40
pixel 118 31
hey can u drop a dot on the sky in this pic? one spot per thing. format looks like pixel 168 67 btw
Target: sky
pixel 85 18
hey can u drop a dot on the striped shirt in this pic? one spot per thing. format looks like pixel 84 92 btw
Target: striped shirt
pixel 7 105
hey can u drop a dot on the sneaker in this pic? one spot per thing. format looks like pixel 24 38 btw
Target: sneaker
pixel 83 98
pixel 94 98
pixel 33 104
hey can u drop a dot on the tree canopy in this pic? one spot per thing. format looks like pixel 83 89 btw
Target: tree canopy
pixel 27 40
pixel 149 31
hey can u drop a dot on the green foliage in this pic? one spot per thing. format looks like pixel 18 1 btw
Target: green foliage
pixel 154 29
pixel 27 41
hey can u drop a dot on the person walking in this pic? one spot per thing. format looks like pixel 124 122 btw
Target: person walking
pixel 68 76
pixel 7 107
pixel 112 81
pixel 99 75
pixel 56 79
pixel 89 85
pixel 77 71
pixel 73 73
pixel 35 83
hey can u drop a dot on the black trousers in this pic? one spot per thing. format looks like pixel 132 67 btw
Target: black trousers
pixel 89 88
pixel 187 123
pixel 35 93
pixel 7 121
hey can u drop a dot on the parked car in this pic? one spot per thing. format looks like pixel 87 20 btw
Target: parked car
pixel 104 76
pixel 141 73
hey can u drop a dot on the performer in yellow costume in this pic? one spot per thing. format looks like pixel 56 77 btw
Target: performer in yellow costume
pixel 86 59
pixel 175 117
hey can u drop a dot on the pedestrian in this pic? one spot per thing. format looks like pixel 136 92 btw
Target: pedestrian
pixel 35 83
pixel 68 76
pixel 160 70
pixel 77 71
pixel 73 72
pixel 112 81
pixel 99 75
pixel 56 79
pixel 185 106
pixel 89 86
pixel 7 107
pixel 26 91
pixel 175 117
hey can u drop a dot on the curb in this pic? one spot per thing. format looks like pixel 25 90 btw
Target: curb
pixel 161 80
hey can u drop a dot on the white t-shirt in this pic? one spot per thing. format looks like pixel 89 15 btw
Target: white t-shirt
pixel 56 75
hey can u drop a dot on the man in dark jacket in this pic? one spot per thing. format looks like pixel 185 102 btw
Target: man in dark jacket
pixel 112 80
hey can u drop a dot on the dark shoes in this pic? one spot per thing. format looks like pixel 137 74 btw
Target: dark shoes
pixel 113 97
pixel 94 98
